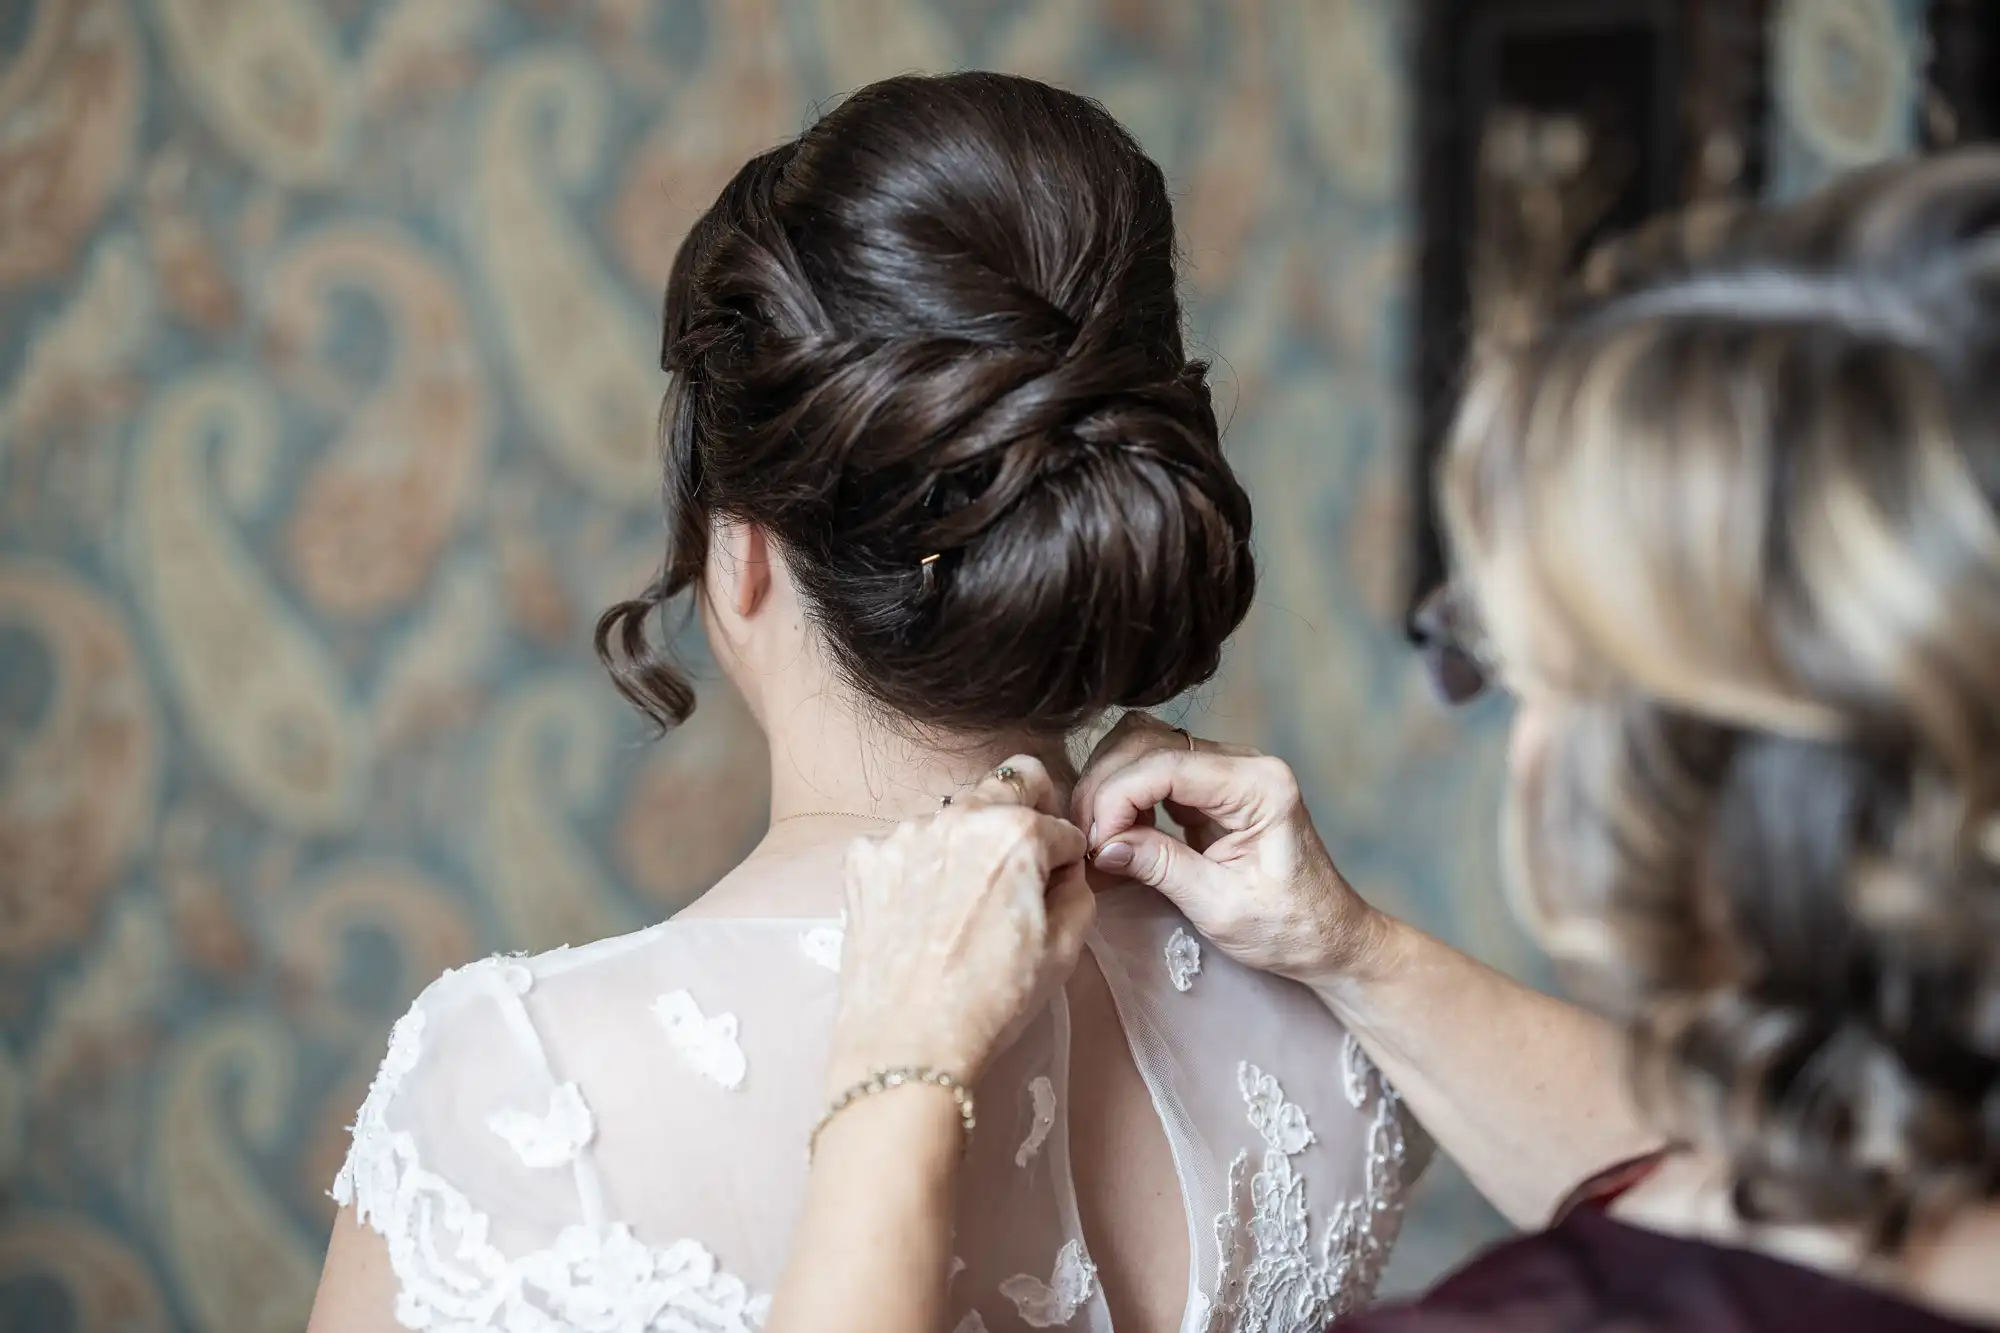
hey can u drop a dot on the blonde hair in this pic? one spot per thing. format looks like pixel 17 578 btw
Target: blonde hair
pixel 1732 510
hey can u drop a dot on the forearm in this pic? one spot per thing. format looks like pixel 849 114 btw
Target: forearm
pixel 873 1246
pixel 1527 1093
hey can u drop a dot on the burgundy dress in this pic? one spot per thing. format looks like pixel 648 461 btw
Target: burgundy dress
pixel 1591 1274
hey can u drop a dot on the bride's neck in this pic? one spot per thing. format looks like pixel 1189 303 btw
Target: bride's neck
pixel 832 754
pixel 837 769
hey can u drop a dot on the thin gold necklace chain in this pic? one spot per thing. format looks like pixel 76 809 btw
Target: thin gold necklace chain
pixel 943 801
pixel 833 814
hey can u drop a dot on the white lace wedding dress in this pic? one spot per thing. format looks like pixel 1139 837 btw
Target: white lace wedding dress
pixel 612 1139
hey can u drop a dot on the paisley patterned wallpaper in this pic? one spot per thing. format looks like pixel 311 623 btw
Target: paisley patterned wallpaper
pixel 326 395
pixel 1846 79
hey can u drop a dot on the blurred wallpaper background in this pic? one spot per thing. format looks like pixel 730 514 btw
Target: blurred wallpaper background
pixel 328 341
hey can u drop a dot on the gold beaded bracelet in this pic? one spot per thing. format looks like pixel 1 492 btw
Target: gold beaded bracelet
pixel 884 1079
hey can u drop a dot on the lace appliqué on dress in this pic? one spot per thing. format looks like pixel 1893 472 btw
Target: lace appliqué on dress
pixel 452 1279
pixel 370 1169
pixel 1282 1123
pixel 1183 960
pixel 822 944
pixel 1043 1093
pixel 1271 1278
pixel 972 1323
pixel 707 1044
pixel 1355 1071
pixel 543 1141
pixel 1054 1303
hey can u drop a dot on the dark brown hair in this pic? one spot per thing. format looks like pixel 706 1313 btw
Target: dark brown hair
pixel 944 321
pixel 1733 514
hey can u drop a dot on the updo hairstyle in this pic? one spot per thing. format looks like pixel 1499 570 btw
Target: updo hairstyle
pixel 934 348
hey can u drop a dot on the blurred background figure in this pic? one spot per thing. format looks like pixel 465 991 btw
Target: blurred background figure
pixel 328 337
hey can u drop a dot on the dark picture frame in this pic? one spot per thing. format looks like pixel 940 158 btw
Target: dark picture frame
pixel 1669 99
pixel 1962 75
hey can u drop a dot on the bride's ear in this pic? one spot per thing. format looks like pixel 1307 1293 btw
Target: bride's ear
pixel 741 566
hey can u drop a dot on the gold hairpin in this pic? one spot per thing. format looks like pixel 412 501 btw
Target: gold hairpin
pixel 929 567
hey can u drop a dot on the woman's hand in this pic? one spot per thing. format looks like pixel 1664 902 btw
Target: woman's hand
pixel 957 924
pixel 1253 875
pixel 1525 1092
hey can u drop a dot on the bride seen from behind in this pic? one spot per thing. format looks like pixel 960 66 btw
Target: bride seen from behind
pixel 945 487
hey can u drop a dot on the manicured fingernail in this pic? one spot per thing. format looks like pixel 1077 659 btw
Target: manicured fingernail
pixel 1091 837
pixel 1115 856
